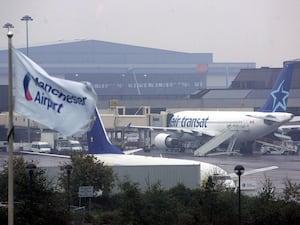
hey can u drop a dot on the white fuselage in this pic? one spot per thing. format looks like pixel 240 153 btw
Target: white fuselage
pixel 248 125
pixel 206 169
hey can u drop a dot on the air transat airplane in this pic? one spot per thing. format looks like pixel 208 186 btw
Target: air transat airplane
pixel 240 128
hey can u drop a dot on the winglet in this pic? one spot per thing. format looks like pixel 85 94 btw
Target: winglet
pixel 98 141
pixel 277 100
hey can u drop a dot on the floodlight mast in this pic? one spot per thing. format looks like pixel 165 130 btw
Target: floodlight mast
pixel 26 19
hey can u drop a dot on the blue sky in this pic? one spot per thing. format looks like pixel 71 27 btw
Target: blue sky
pixel 263 31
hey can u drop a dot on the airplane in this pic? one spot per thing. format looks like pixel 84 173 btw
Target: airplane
pixel 209 129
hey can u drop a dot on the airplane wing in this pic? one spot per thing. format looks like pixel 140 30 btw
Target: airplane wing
pixel 287 128
pixel 194 132
pixel 264 169
pixel 46 154
pixel 130 152
pixel 295 119
pixel 254 171
pixel 127 152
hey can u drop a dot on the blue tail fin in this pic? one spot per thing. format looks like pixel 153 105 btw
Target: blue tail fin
pixel 277 100
pixel 98 141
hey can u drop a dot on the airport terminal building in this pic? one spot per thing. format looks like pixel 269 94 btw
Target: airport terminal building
pixel 126 73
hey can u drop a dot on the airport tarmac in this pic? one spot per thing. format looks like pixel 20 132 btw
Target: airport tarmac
pixel 288 165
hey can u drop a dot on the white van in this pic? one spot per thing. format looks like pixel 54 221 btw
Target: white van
pixel 67 146
pixel 75 145
pixel 40 146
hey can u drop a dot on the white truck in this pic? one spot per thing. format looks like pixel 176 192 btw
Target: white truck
pixel 60 144
pixel 40 146
pixel 68 145
pixel 287 147
pixel 50 137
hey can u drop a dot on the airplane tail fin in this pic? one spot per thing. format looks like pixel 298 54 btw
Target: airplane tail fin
pixel 277 100
pixel 98 141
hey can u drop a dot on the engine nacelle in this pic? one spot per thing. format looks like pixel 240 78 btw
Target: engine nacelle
pixel 163 141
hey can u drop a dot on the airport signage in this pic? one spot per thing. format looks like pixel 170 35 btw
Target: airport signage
pixel 86 191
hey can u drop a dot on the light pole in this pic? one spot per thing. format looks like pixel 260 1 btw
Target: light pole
pixel 239 170
pixel 10 129
pixel 68 168
pixel 31 168
pixel 26 19
pixel 8 26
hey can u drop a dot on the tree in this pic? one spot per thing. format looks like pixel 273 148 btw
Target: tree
pixel 291 191
pixel 183 197
pixel 87 171
pixel 267 192
pixel 160 207
pixel 46 204
pixel 130 204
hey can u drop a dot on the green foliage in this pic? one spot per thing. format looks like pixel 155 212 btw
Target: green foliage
pixel 178 205
pixel 291 191
pixel 181 205
pixel 130 204
pixel 276 212
pixel 87 171
pixel 36 202
pixel 267 192
pixel 161 205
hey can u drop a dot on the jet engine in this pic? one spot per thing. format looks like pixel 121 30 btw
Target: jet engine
pixel 164 141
